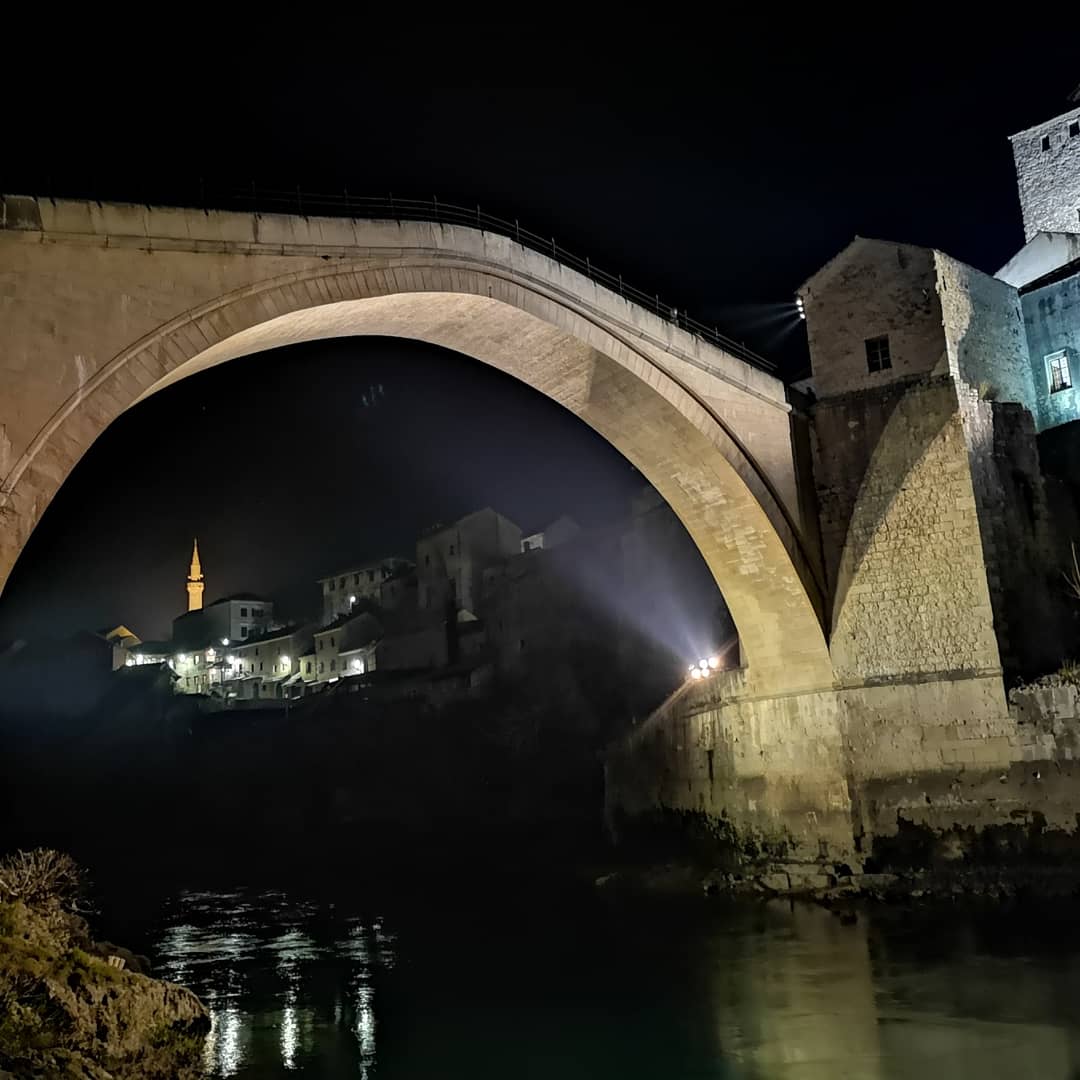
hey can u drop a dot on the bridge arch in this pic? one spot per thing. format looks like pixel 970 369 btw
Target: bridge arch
pixel 153 296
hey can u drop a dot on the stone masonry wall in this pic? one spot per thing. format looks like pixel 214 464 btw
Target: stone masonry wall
pixel 772 769
pixel 874 288
pixel 771 772
pixel 984 332
pixel 1017 533
pixel 901 535
pixel 1052 319
pixel 1049 180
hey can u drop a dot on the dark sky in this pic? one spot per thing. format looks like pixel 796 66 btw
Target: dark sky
pixel 722 196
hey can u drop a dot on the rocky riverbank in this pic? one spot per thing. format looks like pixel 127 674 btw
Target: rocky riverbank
pixel 75 1009
pixel 838 886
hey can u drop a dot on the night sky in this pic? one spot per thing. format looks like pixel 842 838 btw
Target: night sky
pixel 721 197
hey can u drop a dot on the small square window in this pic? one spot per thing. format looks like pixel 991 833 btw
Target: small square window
pixel 1074 129
pixel 878 357
pixel 1057 371
pixel 1046 142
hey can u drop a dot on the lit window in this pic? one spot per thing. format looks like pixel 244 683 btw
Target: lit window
pixel 1057 370
pixel 1046 142
pixel 877 353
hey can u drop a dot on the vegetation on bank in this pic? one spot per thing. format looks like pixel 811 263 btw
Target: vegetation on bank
pixel 74 1008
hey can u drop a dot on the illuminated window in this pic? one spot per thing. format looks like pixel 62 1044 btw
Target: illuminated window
pixel 877 353
pixel 1057 371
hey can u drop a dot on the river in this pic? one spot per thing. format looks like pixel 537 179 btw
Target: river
pixel 578 984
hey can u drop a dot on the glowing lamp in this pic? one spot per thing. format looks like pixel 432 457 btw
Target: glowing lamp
pixel 714 662
pixel 224 641
pixel 697 673
pixel 352 599
pixel 231 660
pixel 182 658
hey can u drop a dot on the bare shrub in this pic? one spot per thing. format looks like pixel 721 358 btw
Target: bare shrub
pixel 40 878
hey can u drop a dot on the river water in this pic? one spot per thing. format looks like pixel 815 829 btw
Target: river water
pixel 585 985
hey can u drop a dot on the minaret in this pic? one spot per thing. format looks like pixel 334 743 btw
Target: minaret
pixel 195 583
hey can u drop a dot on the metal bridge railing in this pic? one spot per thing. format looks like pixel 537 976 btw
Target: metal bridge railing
pixel 365 206
pixel 269 200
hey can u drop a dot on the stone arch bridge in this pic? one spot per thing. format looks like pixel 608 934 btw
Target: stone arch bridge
pixel 101 305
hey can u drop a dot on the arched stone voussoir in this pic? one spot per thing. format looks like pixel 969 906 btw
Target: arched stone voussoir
pixel 588 360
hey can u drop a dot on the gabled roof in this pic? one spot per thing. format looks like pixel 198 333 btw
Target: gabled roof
pixel 842 257
pixel 120 632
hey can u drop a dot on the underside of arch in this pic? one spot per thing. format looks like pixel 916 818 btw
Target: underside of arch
pixel 657 423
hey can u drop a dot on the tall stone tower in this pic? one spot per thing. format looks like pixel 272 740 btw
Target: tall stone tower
pixel 195 583
pixel 1047 160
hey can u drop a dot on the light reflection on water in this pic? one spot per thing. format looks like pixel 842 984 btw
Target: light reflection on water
pixel 239 953
pixel 740 993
